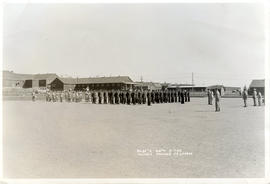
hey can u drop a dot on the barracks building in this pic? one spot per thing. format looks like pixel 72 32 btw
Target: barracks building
pixel 11 79
pixel 95 83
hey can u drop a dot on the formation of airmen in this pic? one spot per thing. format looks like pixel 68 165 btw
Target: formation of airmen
pixel 134 97
pixel 128 97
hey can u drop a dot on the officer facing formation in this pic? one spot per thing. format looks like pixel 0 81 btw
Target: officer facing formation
pixel 245 96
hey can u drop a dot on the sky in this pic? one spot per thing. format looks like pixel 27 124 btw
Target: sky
pixel 219 43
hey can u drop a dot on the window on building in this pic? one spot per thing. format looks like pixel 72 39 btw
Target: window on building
pixel 42 83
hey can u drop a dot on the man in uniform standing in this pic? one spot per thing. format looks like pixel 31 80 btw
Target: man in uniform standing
pixel 152 96
pixel 105 97
pixel 61 96
pixel 254 96
pixel 209 96
pixel 179 95
pixel 133 97
pixel 259 98
pixel 149 98
pixel 69 95
pixel 217 100
pixel 182 97
pixel 245 96
pixel 86 95
pixel 188 96
pixel 99 97
pixel 185 95
pixel 128 95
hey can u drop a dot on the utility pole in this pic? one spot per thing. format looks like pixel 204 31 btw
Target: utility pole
pixel 141 78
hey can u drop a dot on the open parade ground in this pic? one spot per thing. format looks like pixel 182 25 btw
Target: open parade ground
pixel 80 140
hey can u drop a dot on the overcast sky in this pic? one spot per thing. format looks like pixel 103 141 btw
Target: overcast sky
pixel 219 43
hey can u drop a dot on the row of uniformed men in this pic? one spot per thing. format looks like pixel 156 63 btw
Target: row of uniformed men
pixel 120 97
pixel 256 96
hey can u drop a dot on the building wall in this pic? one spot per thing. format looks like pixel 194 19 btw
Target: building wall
pixel 104 86
pixel 12 83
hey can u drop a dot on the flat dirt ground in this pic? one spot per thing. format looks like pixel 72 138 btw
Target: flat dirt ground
pixel 80 140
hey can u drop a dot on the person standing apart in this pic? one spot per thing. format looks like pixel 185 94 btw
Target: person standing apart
pixel 254 96
pixel 217 100
pixel 211 97
pixel 245 96
pixel 260 98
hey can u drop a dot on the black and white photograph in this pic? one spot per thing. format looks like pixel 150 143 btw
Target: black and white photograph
pixel 134 90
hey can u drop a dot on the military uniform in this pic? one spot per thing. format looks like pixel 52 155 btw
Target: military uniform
pixel 245 96
pixel 179 96
pixel 259 98
pixel 217 100
pixel 182 97
pixel 133 97
pixel 185 95
pixel 149 98
pixel 61 96
pixel 254 96
pixel 128 95
pixel 105 97
pixel 99 97
pixel 188 96
pixel 209 96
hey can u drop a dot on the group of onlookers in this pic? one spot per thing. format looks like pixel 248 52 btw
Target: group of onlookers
pixel 256 96
pixel 214 94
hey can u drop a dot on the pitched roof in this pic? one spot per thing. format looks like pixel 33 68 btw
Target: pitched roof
pixel 68 80
pixel 96 80
pixel 45 76
pixel 215 86
pixel 257 83
pixel 9 75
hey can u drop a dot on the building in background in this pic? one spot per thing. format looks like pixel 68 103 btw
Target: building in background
pixel 60 84
pixel 95 83
pixel 148 86
pixel 39 80
pixel 11 79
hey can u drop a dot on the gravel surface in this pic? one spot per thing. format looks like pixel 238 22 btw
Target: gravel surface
pixel 79 140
